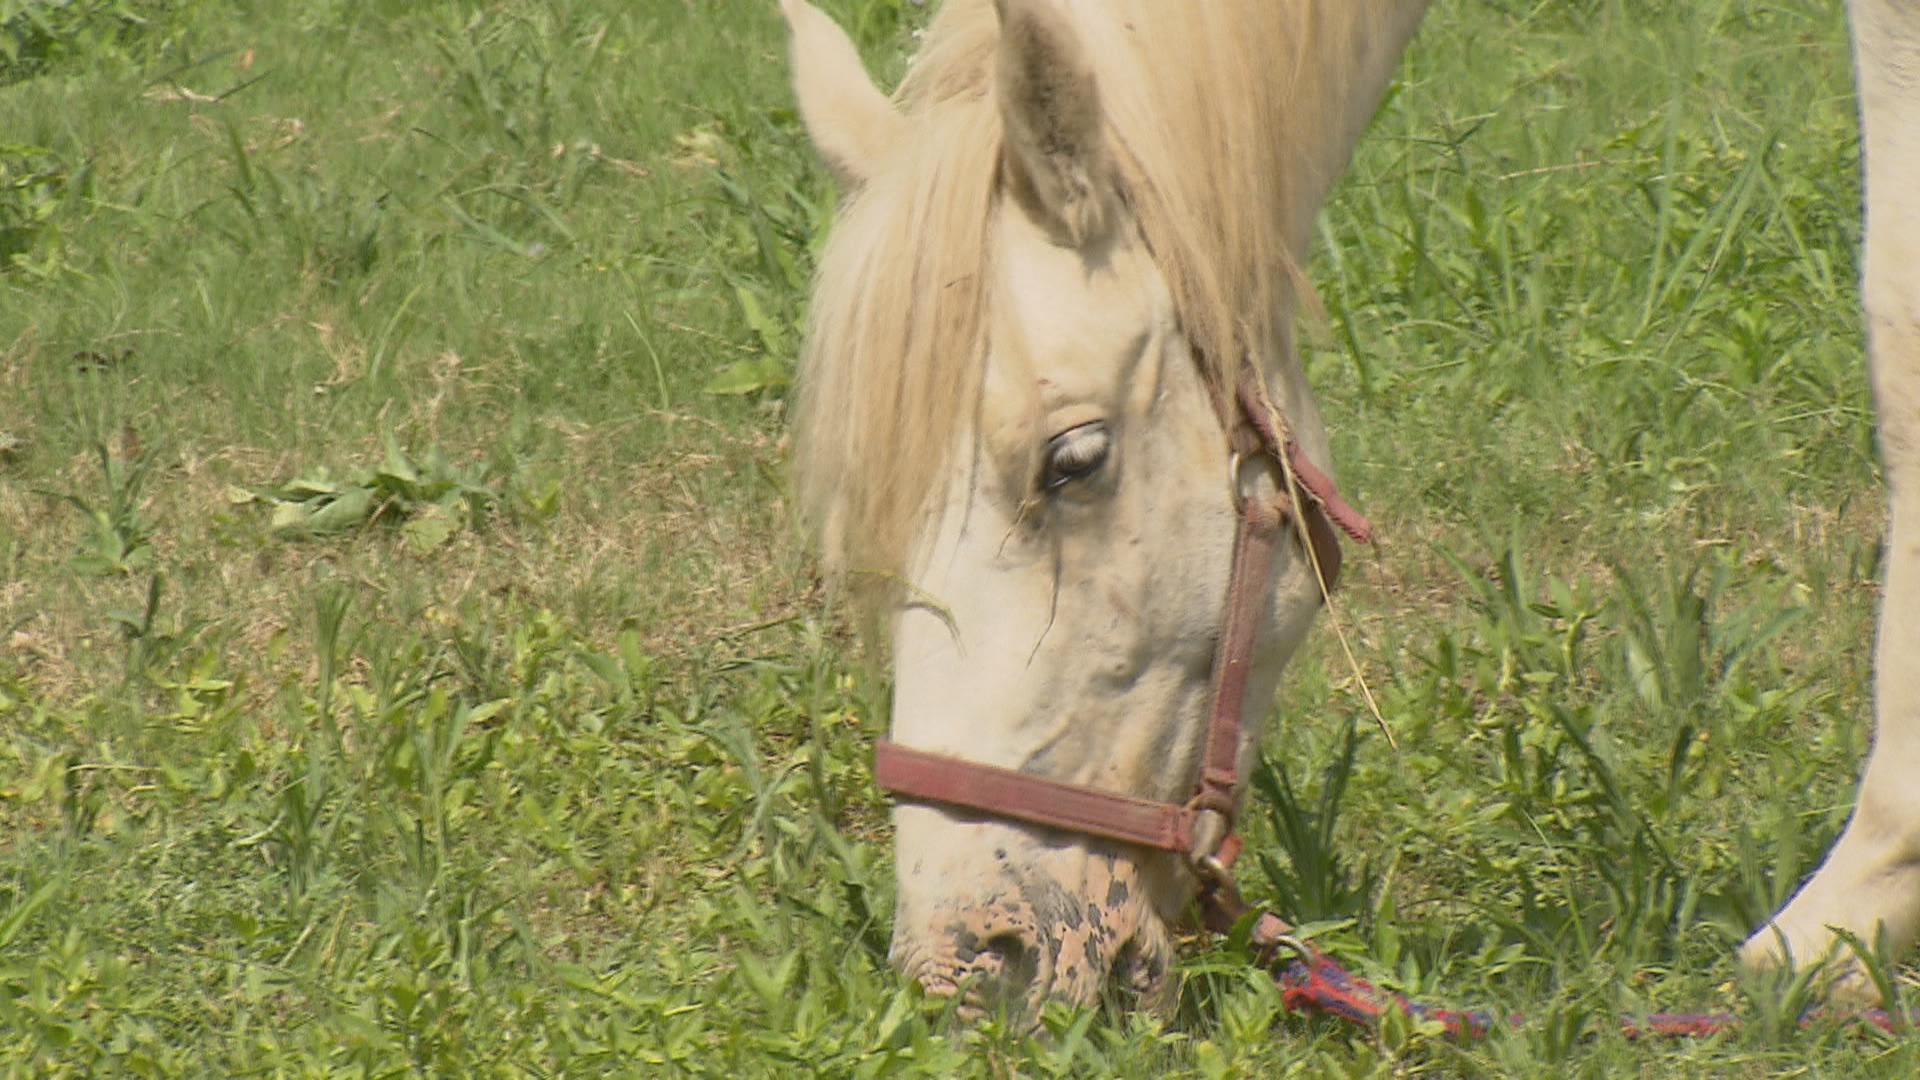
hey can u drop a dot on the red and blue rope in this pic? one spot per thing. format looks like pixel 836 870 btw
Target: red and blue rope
pixel 1316 984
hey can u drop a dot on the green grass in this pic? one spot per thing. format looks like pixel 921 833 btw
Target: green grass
pixel 408 664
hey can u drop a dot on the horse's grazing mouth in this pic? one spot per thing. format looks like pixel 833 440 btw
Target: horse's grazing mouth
pixel 1140 977
pixel 1034 939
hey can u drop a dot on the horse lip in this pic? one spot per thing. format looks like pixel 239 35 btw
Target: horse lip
pixel 994 963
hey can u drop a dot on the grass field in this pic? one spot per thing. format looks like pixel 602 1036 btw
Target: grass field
pixel 408 663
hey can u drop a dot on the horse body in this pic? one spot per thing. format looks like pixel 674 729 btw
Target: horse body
pixel 1068 238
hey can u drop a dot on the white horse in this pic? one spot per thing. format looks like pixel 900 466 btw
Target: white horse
pixel 1068 238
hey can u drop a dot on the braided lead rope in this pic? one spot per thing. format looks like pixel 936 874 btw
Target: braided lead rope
pixel 1314 984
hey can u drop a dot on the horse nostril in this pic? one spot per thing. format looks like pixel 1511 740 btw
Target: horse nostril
pixel 1009 961
pixel 1138 978
pixel 990 970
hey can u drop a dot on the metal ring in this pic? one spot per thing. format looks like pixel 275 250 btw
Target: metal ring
pixel 1301 949
pixel 1236 459
pixel 1212 871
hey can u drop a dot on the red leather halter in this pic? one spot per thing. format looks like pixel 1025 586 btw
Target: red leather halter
pixel 1201 828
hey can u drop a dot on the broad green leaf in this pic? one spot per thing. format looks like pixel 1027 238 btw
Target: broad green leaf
pixel 772 336
pixel 307 487
pixel 430 528
pixel 397 464
pixel 290 516
pixel 749 377
pixel 350 510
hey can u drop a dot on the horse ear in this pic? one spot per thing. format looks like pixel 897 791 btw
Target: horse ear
pixel 852 123
pixel 1050 105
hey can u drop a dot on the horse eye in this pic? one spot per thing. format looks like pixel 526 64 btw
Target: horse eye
pixel 1075 454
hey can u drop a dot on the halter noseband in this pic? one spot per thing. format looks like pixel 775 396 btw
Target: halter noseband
pixel 1200 829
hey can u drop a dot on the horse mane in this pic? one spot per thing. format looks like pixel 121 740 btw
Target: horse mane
pixel 1220 132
